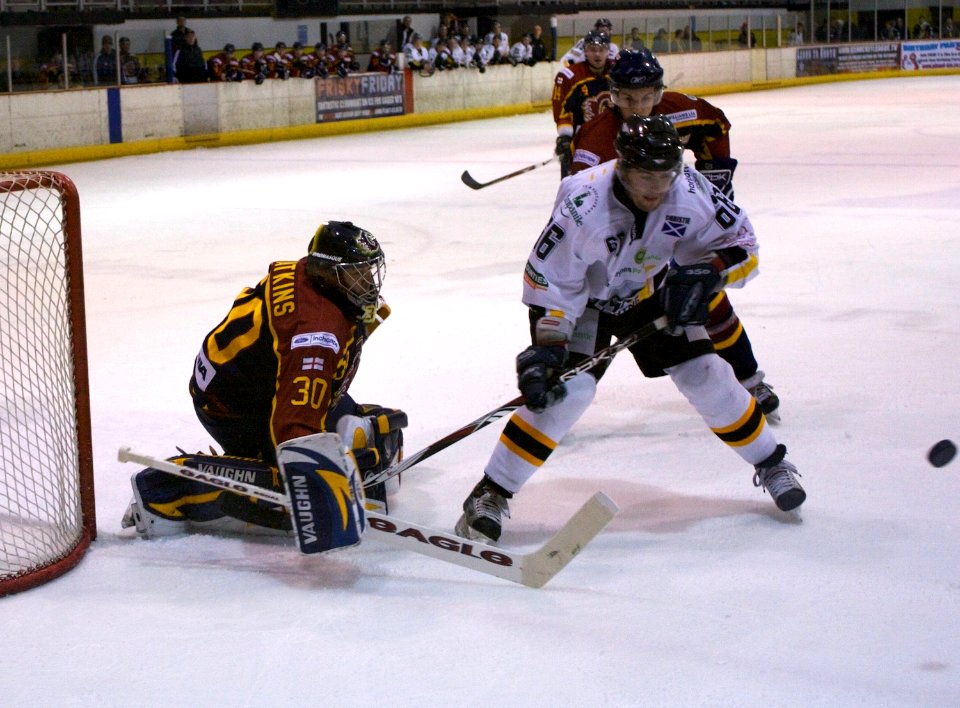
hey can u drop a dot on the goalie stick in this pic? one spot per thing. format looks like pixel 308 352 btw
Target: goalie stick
pixel 533 569
pixel 497 413
pixel 468 180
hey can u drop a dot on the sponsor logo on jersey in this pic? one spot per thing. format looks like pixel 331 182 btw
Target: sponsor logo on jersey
pixel 327 340
pixel 682 116
pixel 533 278
pixel 203 371
pixel 579 205
pixel 675 226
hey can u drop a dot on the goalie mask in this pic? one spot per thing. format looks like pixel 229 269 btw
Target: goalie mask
pixel 349 260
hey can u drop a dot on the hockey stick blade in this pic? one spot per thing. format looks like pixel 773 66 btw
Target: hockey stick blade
pixel 468 179
pixel 499 412
pixel 533 569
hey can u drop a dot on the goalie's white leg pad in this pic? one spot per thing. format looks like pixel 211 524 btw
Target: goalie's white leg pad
pixel 326 494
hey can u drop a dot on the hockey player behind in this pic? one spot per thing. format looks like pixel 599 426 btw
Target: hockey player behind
pixel 578 92
pixel 278 368
pixel 577 52
pixel 224 66
pixel 629 241
pixel 636 88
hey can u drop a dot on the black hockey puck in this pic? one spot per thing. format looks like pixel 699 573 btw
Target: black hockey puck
pixel 942 453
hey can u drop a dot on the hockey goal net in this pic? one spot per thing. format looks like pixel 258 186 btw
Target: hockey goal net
pixel 47 516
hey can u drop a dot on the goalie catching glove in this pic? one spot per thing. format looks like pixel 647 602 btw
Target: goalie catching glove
pixel 687 292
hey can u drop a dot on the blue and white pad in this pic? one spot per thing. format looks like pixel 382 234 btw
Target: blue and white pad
pixel 326 494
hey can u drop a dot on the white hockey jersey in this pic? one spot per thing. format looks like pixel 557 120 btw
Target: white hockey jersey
pixel 590 251
pixel 577 53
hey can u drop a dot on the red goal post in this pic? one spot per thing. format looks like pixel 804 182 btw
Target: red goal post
pixel 47 512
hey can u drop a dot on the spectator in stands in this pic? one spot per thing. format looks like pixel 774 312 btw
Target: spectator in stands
pixel 677 44
pixel 796 34
pixel 224 66
pixel 106 64
pixel 691 40
pixel 636 39
pixel 189 64
pixel 418 57
pixel 178 34
pixel 746 38
pixel 948 31
pixel 661 44
pixel 130 70
pixel 539 47
pixel 405 33
pixel 383 58
pixel 443 34
pixel 51 73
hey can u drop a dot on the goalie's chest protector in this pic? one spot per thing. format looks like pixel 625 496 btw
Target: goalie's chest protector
pixel 317 349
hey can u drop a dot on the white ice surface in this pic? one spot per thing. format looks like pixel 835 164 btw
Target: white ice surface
pixel 699 593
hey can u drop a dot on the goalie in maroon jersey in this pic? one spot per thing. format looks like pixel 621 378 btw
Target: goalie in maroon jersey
pixel 637 88
pixel 278 367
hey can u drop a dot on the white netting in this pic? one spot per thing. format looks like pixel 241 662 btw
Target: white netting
pixel 41 518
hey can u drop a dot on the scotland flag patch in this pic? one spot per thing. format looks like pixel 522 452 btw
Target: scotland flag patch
pixel 675 226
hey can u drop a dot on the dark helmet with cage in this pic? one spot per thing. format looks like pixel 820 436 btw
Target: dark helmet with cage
pixel 649 143
pixel 636 68
pixel 347 260
pixel 596 37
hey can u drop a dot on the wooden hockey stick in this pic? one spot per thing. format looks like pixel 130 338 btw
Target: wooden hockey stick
pixel 468 180
pixel 499 412
pixel 534 569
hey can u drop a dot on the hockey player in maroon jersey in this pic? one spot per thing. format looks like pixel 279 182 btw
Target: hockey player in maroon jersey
pixel 576 94
pixel 279 367
pixel 342 58
pixel 278 62
pixel 253 65
pixel 632 241
pixel 383 58
pixel 637 88
pixel 317 62
pixel 224 66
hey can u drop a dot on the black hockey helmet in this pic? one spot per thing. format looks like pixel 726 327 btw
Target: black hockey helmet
pixel 636 69
pixel 596 37
pixel 229 48
pixel 349 259
pixel 603 22
pixel 257 47
pixel 649 143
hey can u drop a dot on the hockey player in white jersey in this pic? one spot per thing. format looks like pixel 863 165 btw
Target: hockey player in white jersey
pixel 577 52
pixel 629 241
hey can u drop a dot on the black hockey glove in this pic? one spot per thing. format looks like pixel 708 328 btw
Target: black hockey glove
pixel 537 371
pixel 687 292
pixel 563 152
pixel 719 171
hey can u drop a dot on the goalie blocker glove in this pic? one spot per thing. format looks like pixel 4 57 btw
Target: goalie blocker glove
pixel 564 152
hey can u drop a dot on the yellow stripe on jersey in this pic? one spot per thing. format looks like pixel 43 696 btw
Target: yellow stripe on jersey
pixel 526 442
pixel 745 430
pixel 741 272
pixel 249 313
